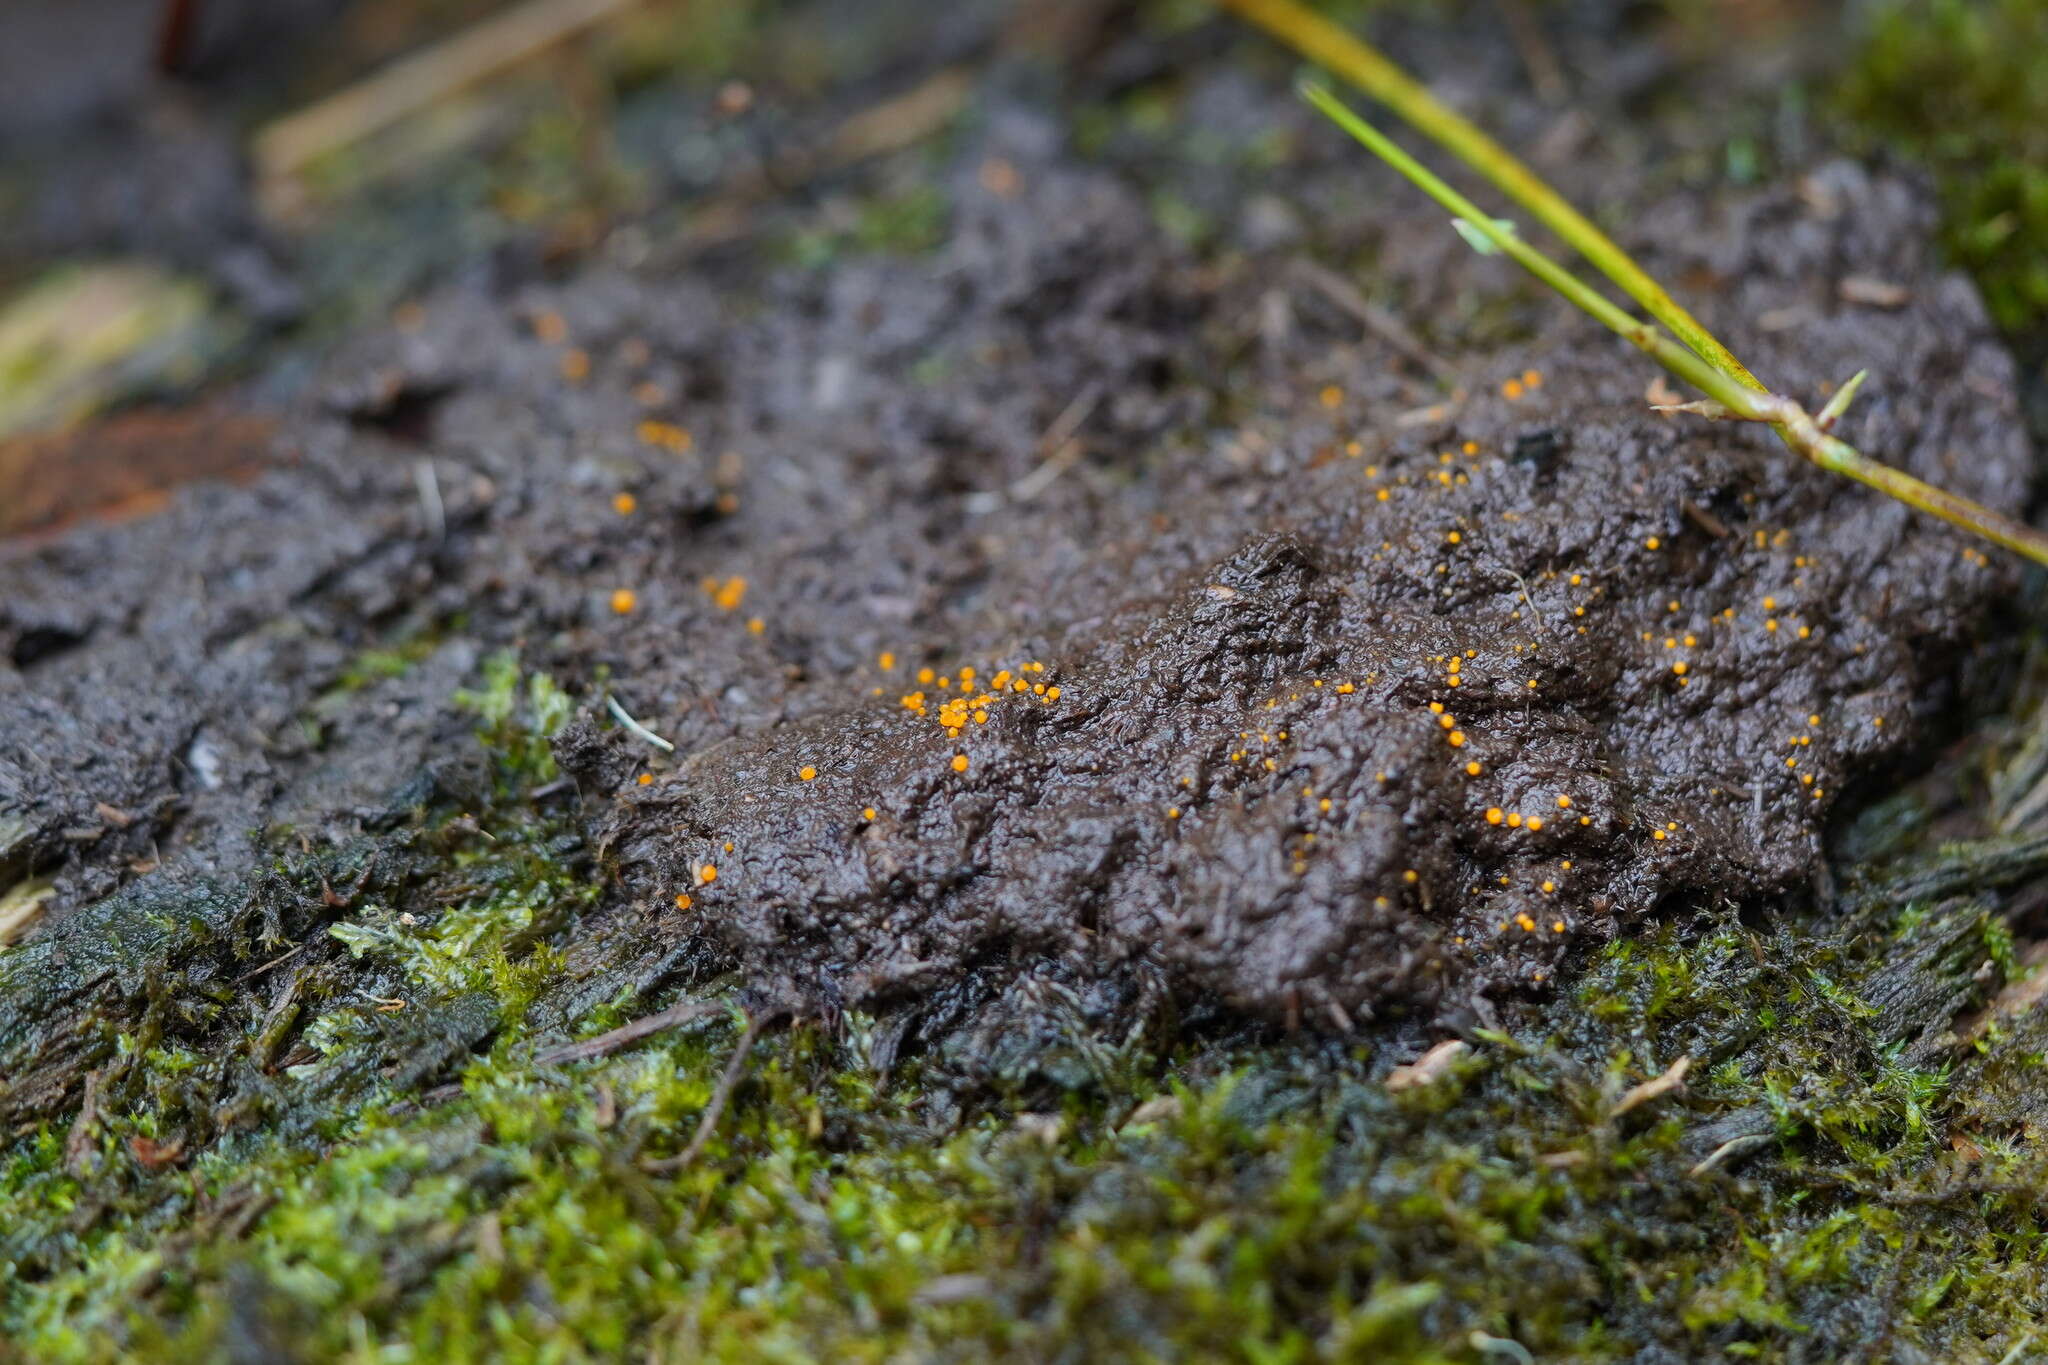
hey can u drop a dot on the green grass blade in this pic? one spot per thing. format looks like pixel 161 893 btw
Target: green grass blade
pixel 1346 56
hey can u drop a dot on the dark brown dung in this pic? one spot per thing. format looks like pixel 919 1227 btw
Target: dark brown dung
pixel 1296 679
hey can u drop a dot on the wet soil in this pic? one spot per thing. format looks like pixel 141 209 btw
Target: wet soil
pixel 1303 677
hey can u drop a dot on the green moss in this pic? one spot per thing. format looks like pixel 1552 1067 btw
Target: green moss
pixel 907 222
pixel 1180 220
pixel 517 896
pixel 517 716
pixel 1218 1201
pixel 1957 85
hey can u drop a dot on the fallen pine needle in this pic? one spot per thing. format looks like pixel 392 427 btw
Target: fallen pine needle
pixel 1655 1088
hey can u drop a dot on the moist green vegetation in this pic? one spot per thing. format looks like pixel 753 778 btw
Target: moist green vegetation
pixel 367 1152
pixel 318 1116
pixel 910 221
pixel 1957 85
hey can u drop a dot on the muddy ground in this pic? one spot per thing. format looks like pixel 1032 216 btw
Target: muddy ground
pixel 1188 559
pixel 1194 587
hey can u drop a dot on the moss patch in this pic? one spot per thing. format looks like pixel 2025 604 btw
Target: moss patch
pixel 1840 1169
pixel 1958 85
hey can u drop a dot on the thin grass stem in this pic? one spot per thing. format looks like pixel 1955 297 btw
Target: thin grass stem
pixel 1673 357
pixel 1799 428
pixel 1343 54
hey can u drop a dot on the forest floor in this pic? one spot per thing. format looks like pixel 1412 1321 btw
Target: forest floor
pixel 834 685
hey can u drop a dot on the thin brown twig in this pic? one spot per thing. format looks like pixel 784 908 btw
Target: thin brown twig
pixel 1655 1088
pixel 900 121
pixel 255 972
pixel 78 1143
pixel 1912 1199
pixel 714 1111
pixel 1546 73
pixel 1060 448
pixel 1376 320
pixel 421 79
pixel 604 1044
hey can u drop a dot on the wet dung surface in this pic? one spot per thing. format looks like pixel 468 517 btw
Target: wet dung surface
pixel 1062 598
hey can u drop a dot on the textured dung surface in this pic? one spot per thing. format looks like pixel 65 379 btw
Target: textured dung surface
pixel 1186 491
pixel 1246 630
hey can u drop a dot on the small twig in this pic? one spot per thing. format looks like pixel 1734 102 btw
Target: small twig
pixel 1068 423
pixel 604 1044
pixel 1429 1067
pixel 619 713
pixel 1060 445
pixel 1727 1151
pixel 713 1112
pixel 1500 1346
pixel 1435 414
pixel 1655 1088
pixel 414 82
pixel 1375 320
pixel 1043 477
pixel 78 1144
pixel 1527 600
pixel 1705 520
pixel 21 906
pixel 895 123
pixel 1546 74
pixel 429 485
pixel 1922 1199
pixel 255 972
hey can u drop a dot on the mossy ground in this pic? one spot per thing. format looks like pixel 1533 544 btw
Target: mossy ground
pixel 1199 1196
pixel 1853 1169
pixel 1957 87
